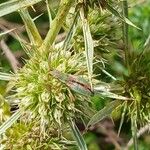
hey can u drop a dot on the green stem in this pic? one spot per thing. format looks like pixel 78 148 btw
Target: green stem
pixel 134 131
pixel 125 32
pixel 31 28
pixel 56 24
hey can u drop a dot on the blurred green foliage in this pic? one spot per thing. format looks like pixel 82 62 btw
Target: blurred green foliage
pixel 140 15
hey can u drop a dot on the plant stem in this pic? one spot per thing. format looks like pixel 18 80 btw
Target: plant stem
pixel 134 131
pixel 125 32
pixel 57 24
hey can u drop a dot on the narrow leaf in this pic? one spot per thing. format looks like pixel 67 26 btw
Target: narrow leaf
pixel 7 124
pixel 71 32
pixel 122 116
pixel 31 28
pixel 6 32
pixel 103 91
pixel 106 111
pixel 14 5
pixel 49 12
pixel 125 31
pixel 107 73
pixel 5 76
pixel 116 13
pixel 114 96
pixel 147 42
pixel 89 46
pixel 78 137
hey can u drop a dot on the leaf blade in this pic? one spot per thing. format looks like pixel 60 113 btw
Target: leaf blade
pixel 71 32
pixel 5 32
pixel 89 45
pixel 5 76
pixel 106 111
pixel 78 137
pixel 31 28
pixel 116 13
pixel 7 124
pixel 14 5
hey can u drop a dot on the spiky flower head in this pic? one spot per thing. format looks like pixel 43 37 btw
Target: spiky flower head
pixel 137 86
pixel 29 136
pixel 44 94
pixel 51 92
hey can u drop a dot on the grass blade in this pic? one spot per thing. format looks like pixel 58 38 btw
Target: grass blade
pixel 7 124
pixel 14 5
pixel 5 76
pixel 106 111
pixel 78 137
pixel 89 46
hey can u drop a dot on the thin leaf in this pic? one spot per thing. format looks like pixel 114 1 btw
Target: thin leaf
pixel 122 116
pixel 6 32
pixel 106 111
pixel 114 96
pixel 49 12
pixel 71 32
pixel 14 5
pixel 78 137
pixel 107 73
pixel 89 46
pixel 6 76
pixel 7 124
pixel 147 42
pixel 31 28
pixel 116 13
pixel 130 23
pixel 103 92
pixel 125 32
